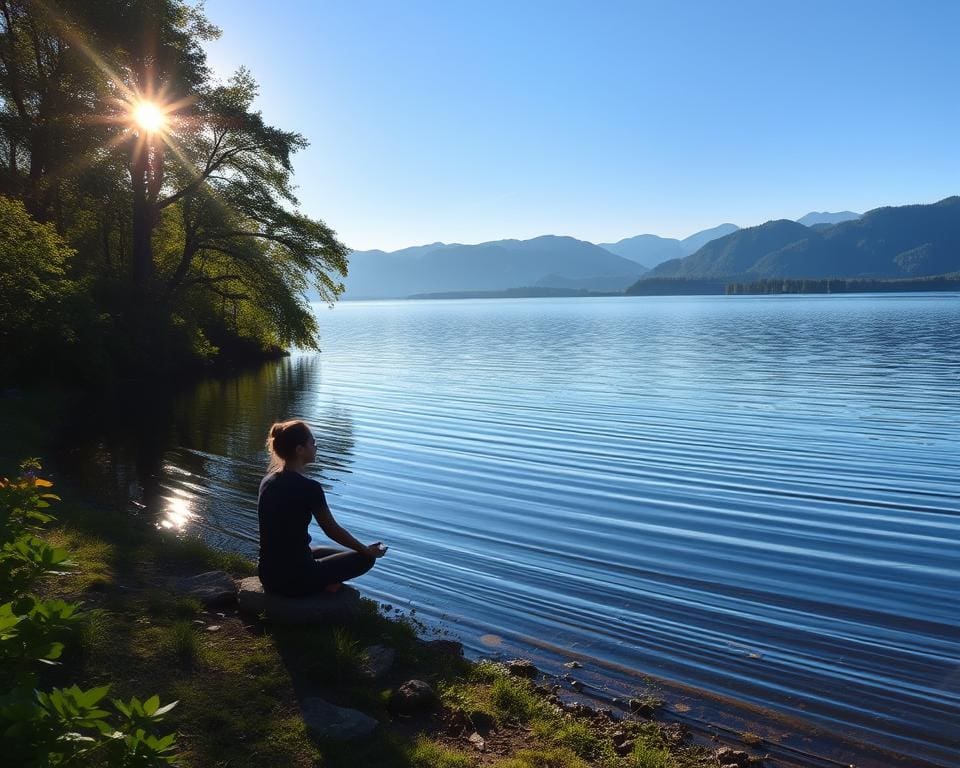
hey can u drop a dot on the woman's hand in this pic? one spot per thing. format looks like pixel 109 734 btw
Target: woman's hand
pixel 377 549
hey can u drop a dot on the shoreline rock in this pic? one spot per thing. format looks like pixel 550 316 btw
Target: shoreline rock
pixel 325 608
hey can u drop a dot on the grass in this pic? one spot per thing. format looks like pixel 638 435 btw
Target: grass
pixel 179 643
pixel 430 754
pixel 644 756
pixel 576 736
pixel 551 758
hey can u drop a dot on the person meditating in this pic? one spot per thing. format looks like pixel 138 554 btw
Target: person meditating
pixel 287 500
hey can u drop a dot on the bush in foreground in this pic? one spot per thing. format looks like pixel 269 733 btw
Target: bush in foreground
pixel 60 726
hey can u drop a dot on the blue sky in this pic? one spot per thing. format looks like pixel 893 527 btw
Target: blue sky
pixel 471 121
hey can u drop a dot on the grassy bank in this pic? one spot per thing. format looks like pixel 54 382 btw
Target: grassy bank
pixel 239 682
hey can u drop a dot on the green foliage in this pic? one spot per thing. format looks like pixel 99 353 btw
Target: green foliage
pixel 514 700
pixel 645 756
pixel 179 641
pixel 62 725
pixel 575 735
pixel 39 302
pixel 144 254
pixel 492 693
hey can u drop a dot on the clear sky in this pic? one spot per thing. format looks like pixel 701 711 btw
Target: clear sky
pixel 470 121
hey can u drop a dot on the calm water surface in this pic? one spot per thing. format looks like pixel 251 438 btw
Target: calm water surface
pixel 758 496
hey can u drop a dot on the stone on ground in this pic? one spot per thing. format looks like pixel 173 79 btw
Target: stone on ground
pixel 325 608
pixel 213 588
pixel 413 696
pixel 328 721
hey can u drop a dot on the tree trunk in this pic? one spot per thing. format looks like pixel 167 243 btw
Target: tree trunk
pixel 143 220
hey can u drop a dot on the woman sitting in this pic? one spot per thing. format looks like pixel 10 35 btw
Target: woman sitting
pixel 287 500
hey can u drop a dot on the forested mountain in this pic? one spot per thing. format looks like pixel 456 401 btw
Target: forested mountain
pixel 906 241
pixel 495 265
pixel 825 217
pixel 736 253
pixel 650 250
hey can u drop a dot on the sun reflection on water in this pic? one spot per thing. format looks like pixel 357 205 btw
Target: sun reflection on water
pixel 178 511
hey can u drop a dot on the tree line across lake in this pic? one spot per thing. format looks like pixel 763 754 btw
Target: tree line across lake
pixel 147 216
pixel 949 282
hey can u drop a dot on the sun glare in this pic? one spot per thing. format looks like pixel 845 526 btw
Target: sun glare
pixel 149 116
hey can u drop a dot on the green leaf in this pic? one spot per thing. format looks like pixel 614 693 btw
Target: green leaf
pixel 166 708
pixel 92 695
pixel 151 704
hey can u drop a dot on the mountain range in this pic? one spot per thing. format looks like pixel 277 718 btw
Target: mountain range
pixel 886 243
pixel 496 265
pixel 549 261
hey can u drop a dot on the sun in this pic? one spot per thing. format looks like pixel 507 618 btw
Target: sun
pixel 149 116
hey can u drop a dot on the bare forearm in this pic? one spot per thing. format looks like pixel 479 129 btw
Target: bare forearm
pixel 344 538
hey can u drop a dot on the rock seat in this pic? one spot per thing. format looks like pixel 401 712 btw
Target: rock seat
pixel 324 608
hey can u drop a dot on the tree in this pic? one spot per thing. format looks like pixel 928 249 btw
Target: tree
pixel 186 229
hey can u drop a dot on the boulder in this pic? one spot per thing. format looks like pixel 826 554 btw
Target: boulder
pixel 325 608
pixel 328 721
pixel 413 696
pixel 213 588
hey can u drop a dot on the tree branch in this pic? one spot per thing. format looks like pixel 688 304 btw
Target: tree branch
pixel 194 185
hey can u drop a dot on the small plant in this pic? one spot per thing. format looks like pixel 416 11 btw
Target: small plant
pixel 180 642
pixel 645 756
pixel 576 736
pixel 63 725
pixel 514 700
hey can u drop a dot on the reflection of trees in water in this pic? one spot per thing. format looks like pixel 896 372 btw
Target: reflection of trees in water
pixel 210 438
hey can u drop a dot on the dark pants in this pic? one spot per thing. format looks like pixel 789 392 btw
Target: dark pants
pixel 330 566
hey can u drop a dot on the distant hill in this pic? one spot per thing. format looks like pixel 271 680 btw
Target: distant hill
pixel 697 240
pixel 907 241
pixel 646 250
pixel 492 266
pixel 650 250
pixel 825 217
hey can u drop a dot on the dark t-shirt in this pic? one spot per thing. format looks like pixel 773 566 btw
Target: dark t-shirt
pixel 285 505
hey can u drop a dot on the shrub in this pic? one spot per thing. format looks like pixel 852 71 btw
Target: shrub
pixel 62 725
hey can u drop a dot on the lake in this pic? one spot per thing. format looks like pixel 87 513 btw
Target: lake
pixel 756 496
